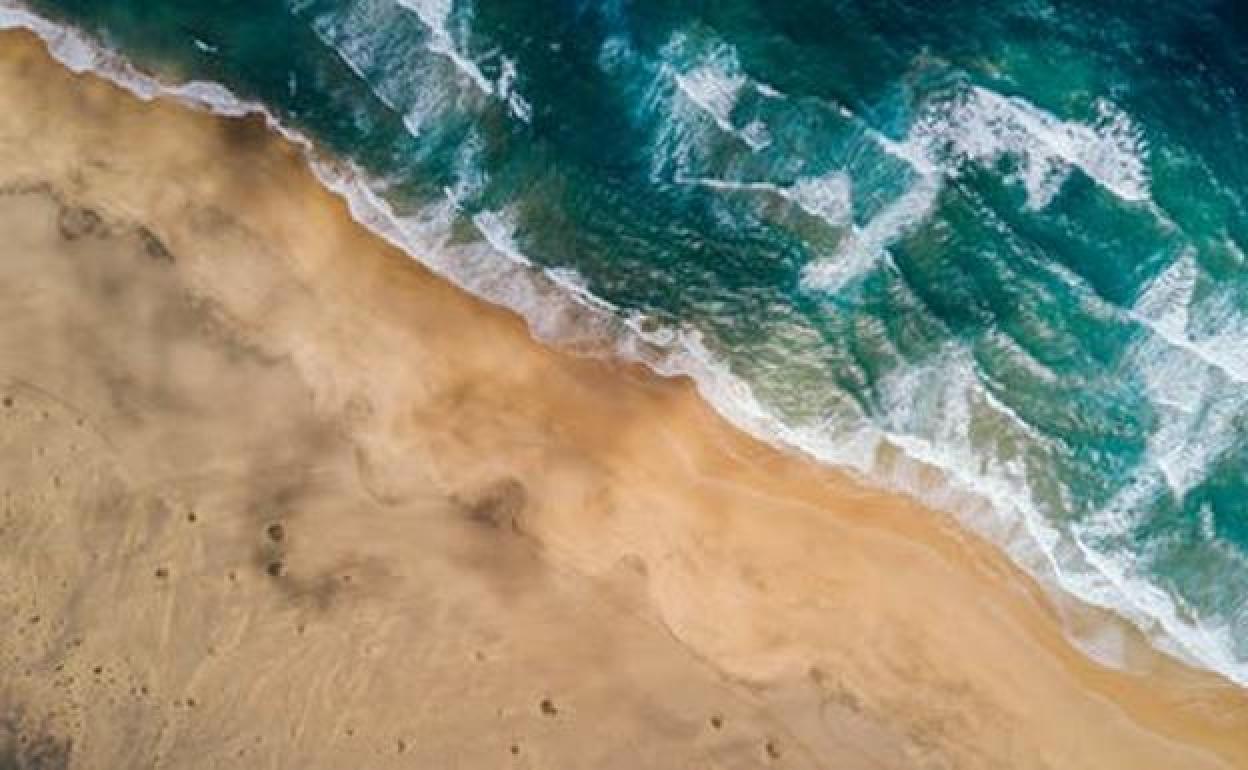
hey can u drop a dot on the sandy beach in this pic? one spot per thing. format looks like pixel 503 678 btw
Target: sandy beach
pixel 275 496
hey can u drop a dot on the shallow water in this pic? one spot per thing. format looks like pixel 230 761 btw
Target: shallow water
pixel 1000 240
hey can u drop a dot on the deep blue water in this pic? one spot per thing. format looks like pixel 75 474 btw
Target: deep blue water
pixel 1003 240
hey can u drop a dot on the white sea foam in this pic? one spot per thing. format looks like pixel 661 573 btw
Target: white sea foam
pixel 470 175
pixel 499 230
pixel 410 77
pixel 1164 305
pixel 1219 326
pixel 769 91
pixel 867 245
pixel 506 87
pixel 436 15
pixel 976 125
pixel 713 87
pixel 1075 565
pixel 1197 412
pixel 1211 331
pixel 716 92
pixel 990 495
pixel 354 50
pixel 931 413
pixel 1194 371
pixel 827 197
pixel 79 54
pixel 1116 583
pixel 983 126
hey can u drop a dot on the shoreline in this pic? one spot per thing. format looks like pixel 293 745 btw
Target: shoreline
pixel 782 574
pixel 579 322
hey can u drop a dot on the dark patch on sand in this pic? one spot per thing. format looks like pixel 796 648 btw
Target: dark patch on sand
pixel 26 747
pixel 773 750
pixel 153 246
pixel 835 692
pixel 498 544
pixel 499 506
pixel 548 708
pixel 75 222
pixel 248 134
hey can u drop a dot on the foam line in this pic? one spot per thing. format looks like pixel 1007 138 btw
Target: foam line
pixel 826 197
pixel 436 16
pixel 981 126
pixel 867 245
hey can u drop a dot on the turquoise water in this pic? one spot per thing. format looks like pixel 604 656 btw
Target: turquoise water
pixel 1000 240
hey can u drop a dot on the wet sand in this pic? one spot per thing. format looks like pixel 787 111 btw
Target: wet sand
pixel 274 496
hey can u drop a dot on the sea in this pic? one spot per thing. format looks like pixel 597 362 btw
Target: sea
pixel 988 254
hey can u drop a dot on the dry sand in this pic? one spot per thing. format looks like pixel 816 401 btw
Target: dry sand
pixel 276 497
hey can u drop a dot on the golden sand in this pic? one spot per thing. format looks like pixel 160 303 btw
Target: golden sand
pixel 276 497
